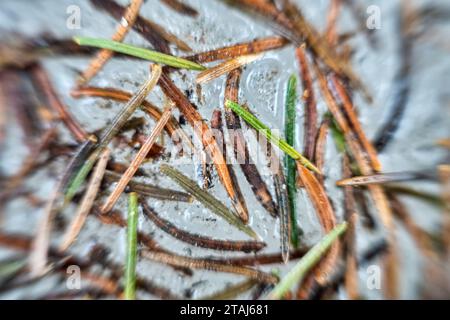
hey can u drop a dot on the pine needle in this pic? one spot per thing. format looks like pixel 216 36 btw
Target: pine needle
pixel 289 163
pixel 142 53
pixel 206 199
pixel 110 132
pixel 130 264
pixel 275 139
pixel 138 159
pixel 307 262
pixel 225 67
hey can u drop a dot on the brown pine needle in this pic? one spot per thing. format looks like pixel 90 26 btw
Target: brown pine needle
pixel 332 17
pixel 241 153
pixel 383 178
pixel 240 49
pixel 310 122
pixel 87 202
pixel 149 30
pixel 104 55
pixel 355 124
pixel 216 124
pixel 377 193
pixel 351 216
pixel 198 240
pixel 181 7
pixel 208 264
pixel 320 146
pixel 225 67
pixel 444 143
pixel 326 217
pixel 204 134
pixel 138 159
pixel 171 127
pixel 44 85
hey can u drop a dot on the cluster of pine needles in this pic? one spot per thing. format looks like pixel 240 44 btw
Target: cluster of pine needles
pixel 371 196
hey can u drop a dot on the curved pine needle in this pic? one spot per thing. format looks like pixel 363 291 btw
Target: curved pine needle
pixel 240 49
pixel 208 264
pixel 289 163
pixel 138 159
pixel 275 139
pixel 206 199
pixel 87 201
pixel 225 67
pixel 142 53
pixel 307 262
pixel 325 213
pixel 104 55
pixel 198 240
pixel 131 258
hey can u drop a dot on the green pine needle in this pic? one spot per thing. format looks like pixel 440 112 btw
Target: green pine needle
pixel 130 264
pixel 306 263
pixel 289 163
pixel 275 139
pixel 142 53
